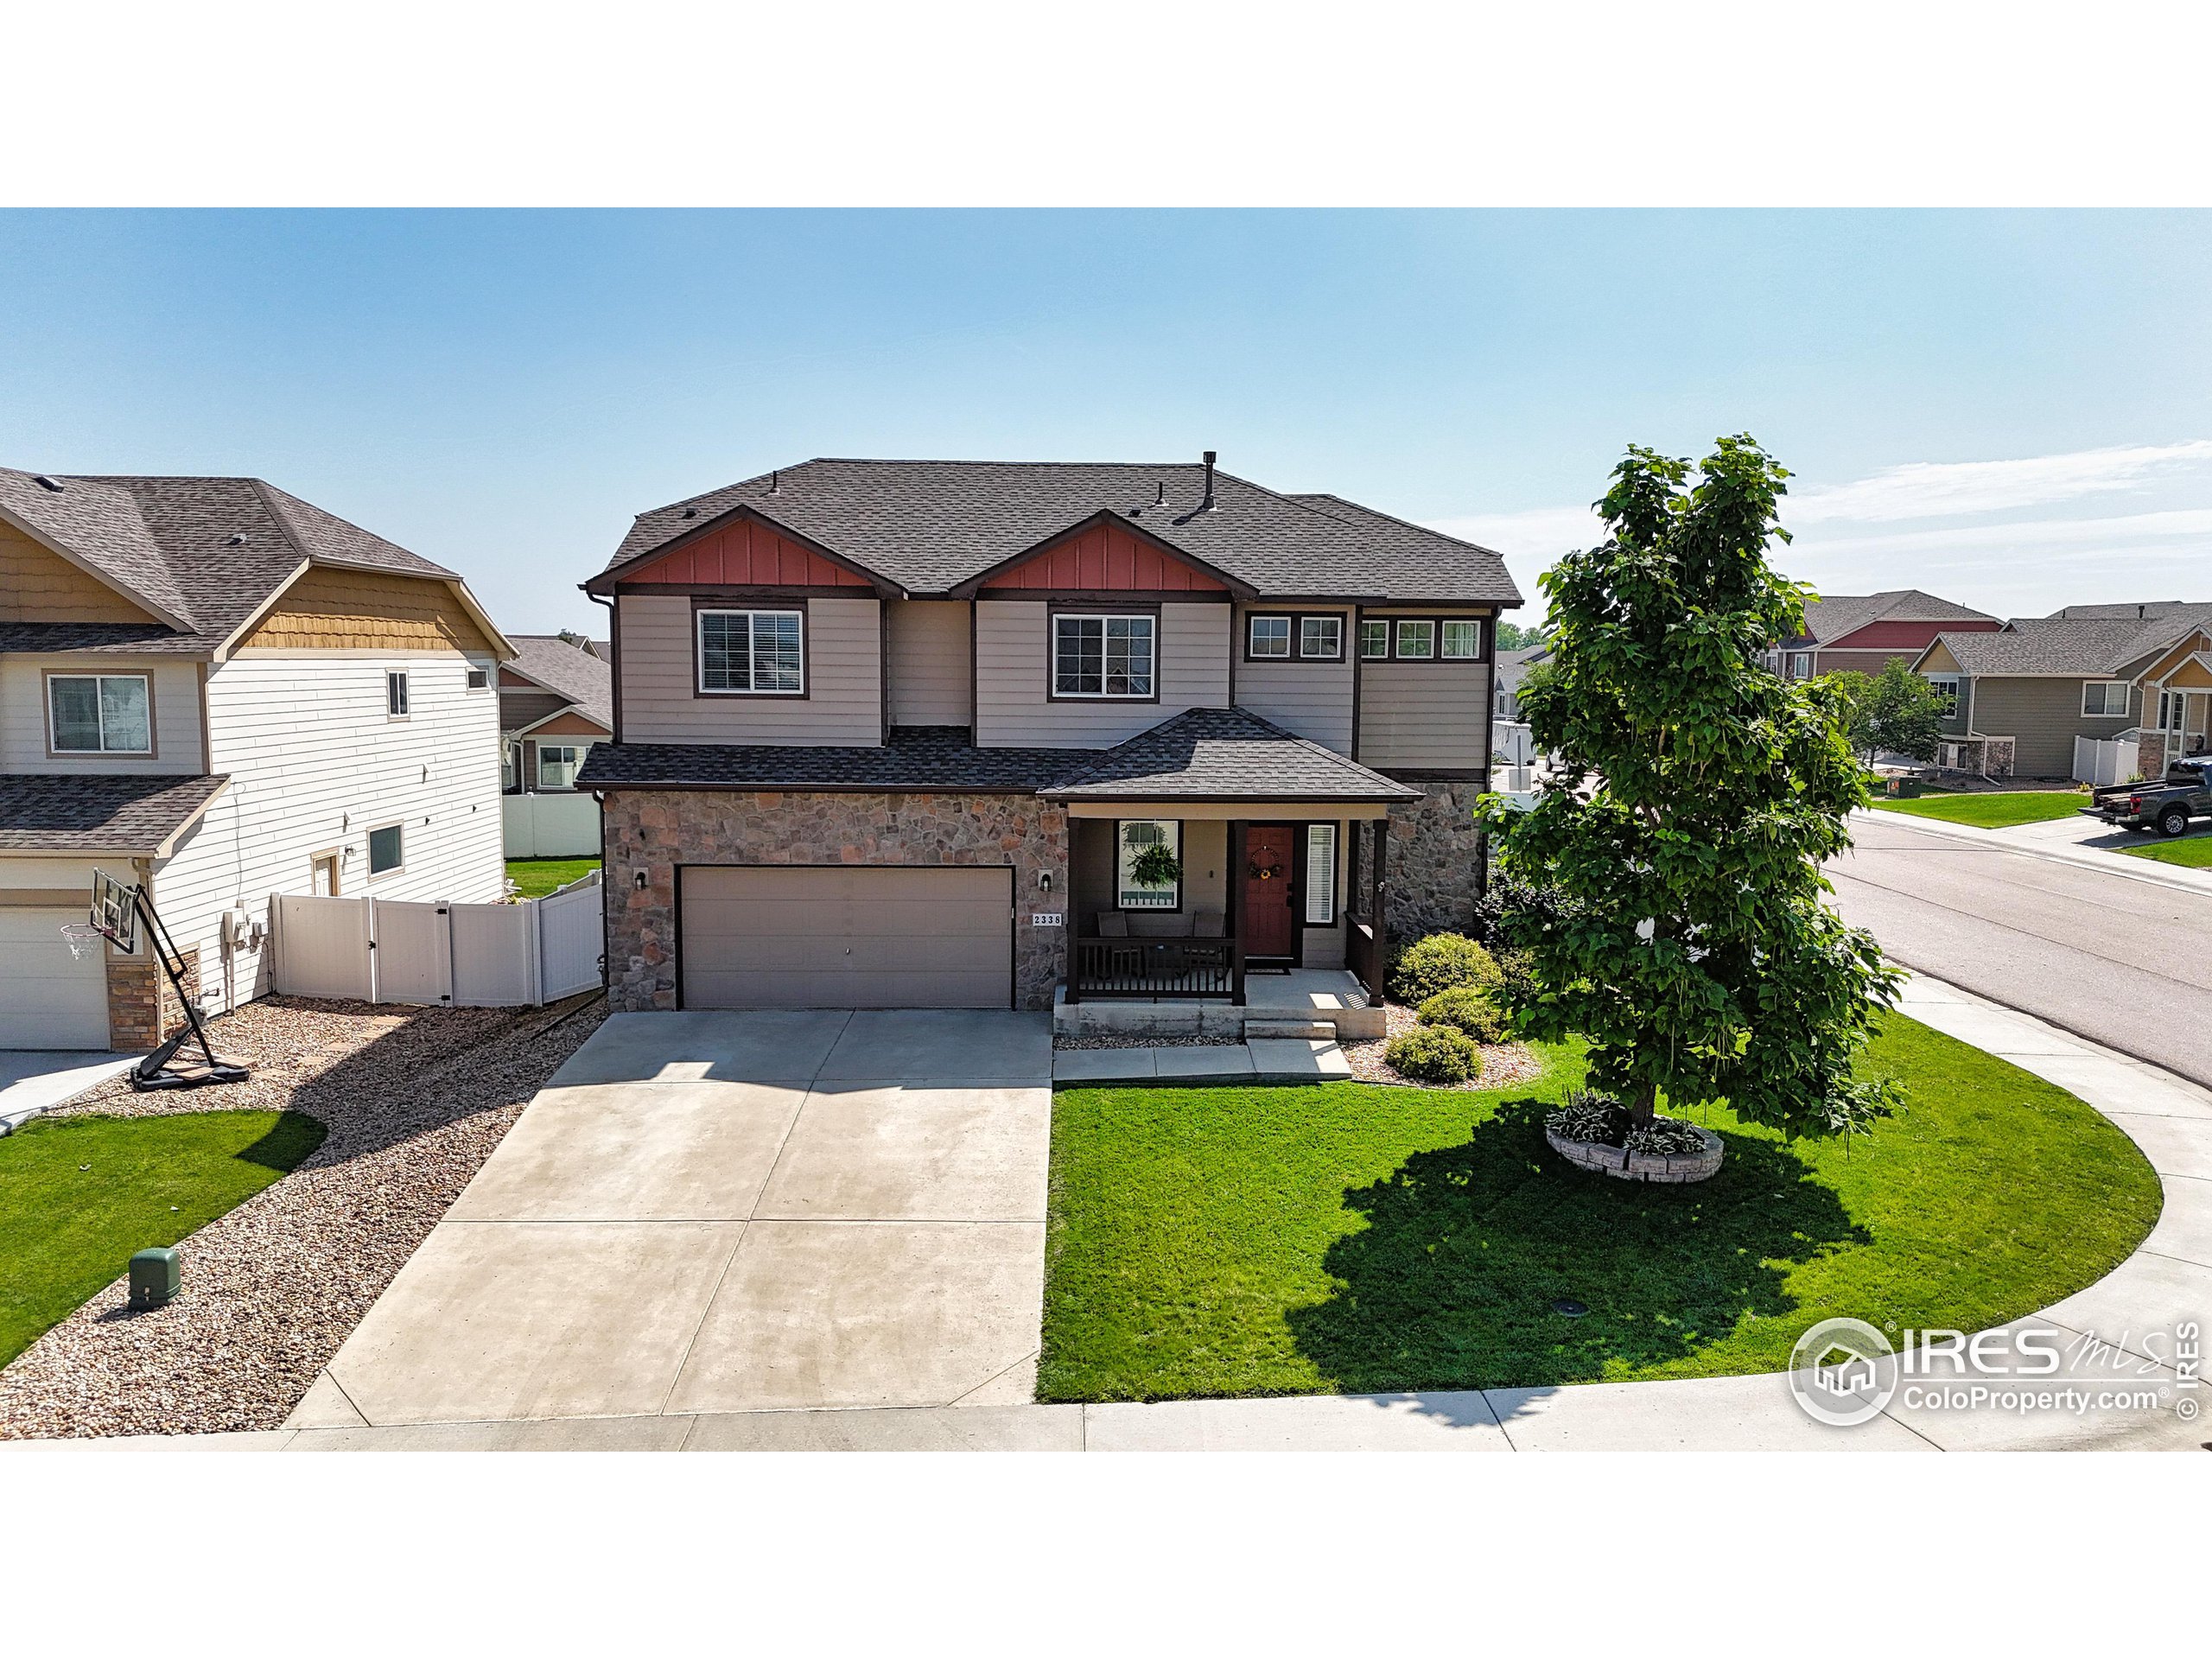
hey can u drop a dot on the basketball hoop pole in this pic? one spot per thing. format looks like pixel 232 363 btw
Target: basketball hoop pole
pixel 172 961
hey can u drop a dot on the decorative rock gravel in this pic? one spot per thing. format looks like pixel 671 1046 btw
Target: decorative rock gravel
pixel 1505 1064
pixel 414 1100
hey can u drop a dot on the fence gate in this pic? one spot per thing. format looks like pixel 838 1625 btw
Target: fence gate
pixel 463 955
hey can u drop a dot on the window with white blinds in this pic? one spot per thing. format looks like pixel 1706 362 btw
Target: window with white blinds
pixel 1320 874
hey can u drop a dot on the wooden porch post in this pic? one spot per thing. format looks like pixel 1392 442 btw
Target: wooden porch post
pixel 1236 875
pixel 1073 900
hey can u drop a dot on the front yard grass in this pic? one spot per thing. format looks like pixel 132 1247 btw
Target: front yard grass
pixel 1350 1238
pixel 79 1195
pixel 536 877
pixel 2190 852
pixel 1992 811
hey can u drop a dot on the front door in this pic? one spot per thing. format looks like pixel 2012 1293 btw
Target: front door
pixel 1270 858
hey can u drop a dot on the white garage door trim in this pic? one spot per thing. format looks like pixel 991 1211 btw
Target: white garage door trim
pixel 873 936
pixel 49 999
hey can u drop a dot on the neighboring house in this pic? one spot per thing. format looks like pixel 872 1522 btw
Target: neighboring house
pixel 896 732
pixel 1511 665
pixel 217 691
pixel 2020 697
pixel 556 699
pixel 1865 631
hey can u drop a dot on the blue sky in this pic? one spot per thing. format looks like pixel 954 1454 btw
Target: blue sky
pixel 2009 409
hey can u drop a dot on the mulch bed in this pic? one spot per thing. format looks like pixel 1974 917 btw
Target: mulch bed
pixel 1505 1064
pixel 414 1100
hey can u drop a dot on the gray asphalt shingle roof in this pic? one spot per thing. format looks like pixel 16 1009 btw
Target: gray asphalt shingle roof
pixel 208 550
pixel 118 813
pixel 929 525
pixel 2071 645
pixel 1836 614
pixel 584 679
pixel 1202 753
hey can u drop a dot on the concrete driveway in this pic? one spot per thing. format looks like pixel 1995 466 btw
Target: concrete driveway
pixel 716 1213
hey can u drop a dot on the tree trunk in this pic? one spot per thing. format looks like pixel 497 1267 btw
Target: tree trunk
pixel 1646 1103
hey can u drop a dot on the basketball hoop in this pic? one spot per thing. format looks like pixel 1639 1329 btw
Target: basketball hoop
pixel 82 939
pixel 114 913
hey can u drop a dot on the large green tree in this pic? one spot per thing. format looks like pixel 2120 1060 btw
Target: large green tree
pixel 1694 796
pixel 1895 712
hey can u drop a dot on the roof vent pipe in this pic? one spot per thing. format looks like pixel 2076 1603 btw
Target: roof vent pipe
pixel 1206 506
pixel 46 483
pixel 776 482
pixel 1161 498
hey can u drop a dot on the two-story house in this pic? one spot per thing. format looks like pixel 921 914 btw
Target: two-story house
pixel 912 734
pixel 1863 632
pixel 217 691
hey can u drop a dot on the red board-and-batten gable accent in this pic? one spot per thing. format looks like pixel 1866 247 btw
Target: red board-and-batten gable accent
pixel 745 554
pixel 1105 558
pixel 1877 636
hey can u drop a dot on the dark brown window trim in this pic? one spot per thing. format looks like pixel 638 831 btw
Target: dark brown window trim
pixel 1113 606
pixel 1486 641
pixel 1298 621
pixel 1182 887
pixel 1135 598
pixel 761 601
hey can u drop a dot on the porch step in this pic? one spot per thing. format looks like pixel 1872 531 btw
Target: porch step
pixel 1308 1030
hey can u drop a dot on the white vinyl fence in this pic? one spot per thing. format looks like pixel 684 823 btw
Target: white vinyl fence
pixel 461 955
pixel 2101 764
pixel 550 826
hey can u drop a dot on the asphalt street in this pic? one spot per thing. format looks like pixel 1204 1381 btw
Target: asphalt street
pixel 2124 962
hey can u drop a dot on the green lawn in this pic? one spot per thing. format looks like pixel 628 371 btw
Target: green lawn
pixel 1350 1238
pixel 2192 852
pixel 1992 811
pixel 79 1195
pixel 536 877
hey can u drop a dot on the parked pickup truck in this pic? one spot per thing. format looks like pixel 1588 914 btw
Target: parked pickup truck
pixel 2166 807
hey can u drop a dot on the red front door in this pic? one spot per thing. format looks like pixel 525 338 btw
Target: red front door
pixel 1270 856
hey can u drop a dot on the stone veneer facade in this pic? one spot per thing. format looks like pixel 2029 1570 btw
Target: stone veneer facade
pixel 655 830
pixel 143 1010
pixel 1433 871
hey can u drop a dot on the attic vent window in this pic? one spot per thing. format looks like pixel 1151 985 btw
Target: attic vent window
pixel 46 483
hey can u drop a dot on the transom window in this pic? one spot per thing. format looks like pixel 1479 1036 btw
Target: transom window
pixel 1946 687
pixel 1103 656
pixel 557 765
pixel 101 714
pixel 1373 638
pixel 1140 836
pixel 756 653
pixel 2104 699
pixel 1416 641
pixel 1269 636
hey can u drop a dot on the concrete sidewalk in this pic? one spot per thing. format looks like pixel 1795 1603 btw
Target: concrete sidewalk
pixel 1262 1059
pixel 2169 1278
pixel 37 1080
pixel 2086 843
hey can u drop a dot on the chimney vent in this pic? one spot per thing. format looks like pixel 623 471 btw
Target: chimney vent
pixel 1206 506
pixel 1161 498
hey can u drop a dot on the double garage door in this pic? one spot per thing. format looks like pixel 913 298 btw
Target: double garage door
pixel 847 936
pixel 48 998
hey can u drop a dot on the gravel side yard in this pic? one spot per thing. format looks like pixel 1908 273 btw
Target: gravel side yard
pixel 414 1100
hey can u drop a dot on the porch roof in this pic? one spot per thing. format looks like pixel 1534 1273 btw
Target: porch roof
pixel 1224 754
pixel 122 814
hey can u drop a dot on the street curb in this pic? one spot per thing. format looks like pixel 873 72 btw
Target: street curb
pixel 2120 864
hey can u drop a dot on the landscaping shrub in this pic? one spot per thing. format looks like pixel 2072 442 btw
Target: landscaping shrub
pixel 1442 962
pixel 1466 1009
pixel 1589 1116
pixel 1664 1135
pixel 1434 1054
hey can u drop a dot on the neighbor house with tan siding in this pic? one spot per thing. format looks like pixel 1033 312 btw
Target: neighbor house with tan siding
pixel 902 733
pixel 218 692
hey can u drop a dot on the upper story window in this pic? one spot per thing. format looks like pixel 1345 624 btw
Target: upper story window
pixel 761 653
pixel 100 714
pixel 1373 638
pixel 1946 687
pixel 395 693
pixel 1104 656
pixel 1462 641
pixel 2104 699
pixel 1308 638
pixel 479 679
pixel 1417 640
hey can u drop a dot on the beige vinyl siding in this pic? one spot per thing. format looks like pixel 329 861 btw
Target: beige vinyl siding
pixel 1427 716
pixel 23 731
pixel 929 662
pixel 843 655
pixel 2043 716
pixel 314 764
pixel 1014 665
pixel 1312 699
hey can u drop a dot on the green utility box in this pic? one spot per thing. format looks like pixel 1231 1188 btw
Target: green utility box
pixel 155 1277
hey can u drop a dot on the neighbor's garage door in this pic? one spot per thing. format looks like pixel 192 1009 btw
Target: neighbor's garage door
pixel 48 998
pixel 757 937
